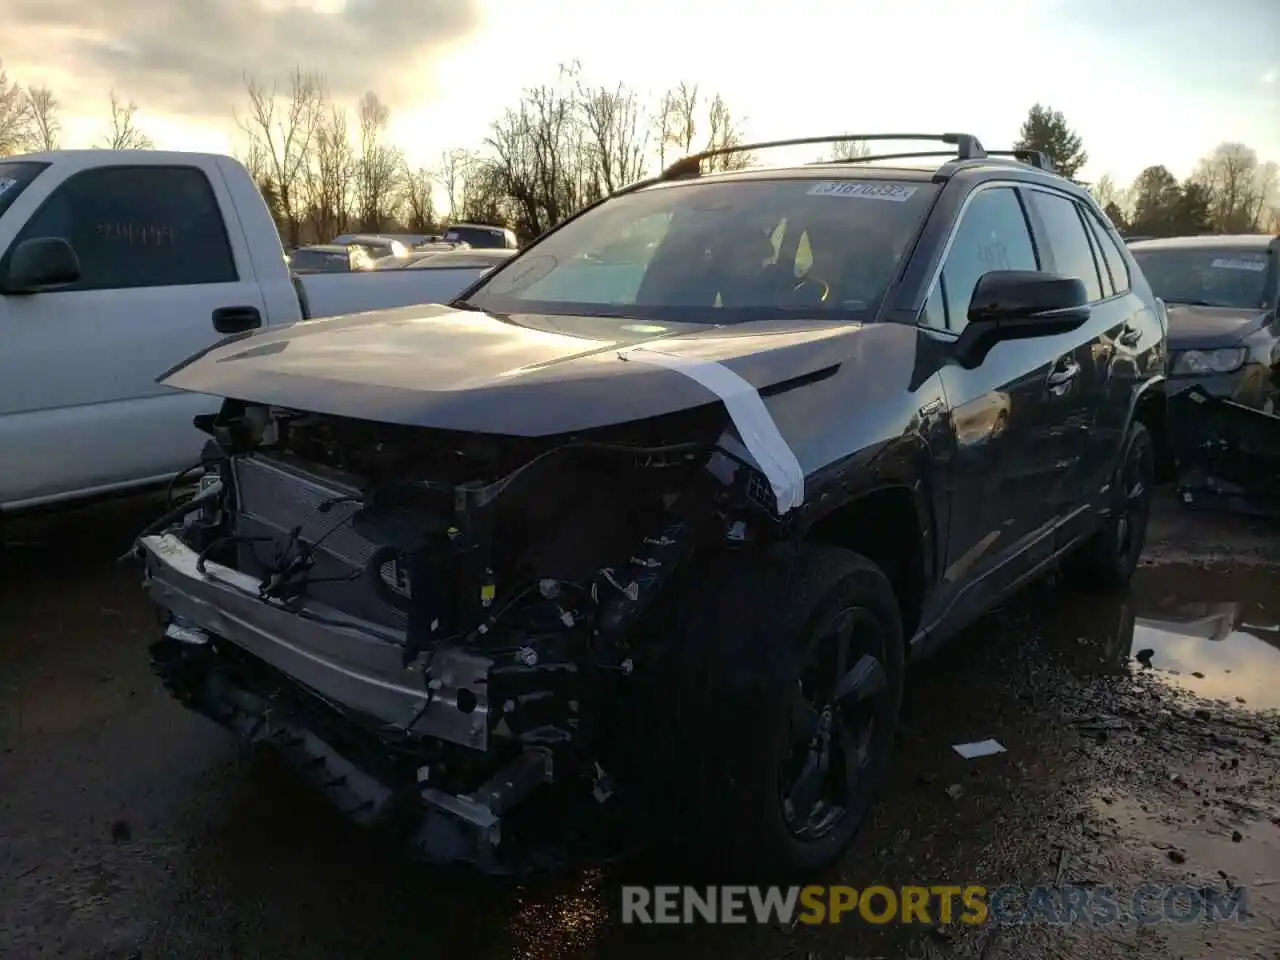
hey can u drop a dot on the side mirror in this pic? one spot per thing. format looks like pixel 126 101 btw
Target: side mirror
pixel 41 263
pixel 1017 305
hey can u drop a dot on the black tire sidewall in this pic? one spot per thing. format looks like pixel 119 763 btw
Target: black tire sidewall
pixel 742 813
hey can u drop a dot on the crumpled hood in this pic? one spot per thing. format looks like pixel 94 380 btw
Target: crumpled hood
pixel 1208 328
pixel 523 375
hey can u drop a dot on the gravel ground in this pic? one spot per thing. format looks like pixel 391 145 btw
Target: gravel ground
pixel 1141 739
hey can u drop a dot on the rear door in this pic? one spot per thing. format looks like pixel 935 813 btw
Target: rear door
pixel 1085 416
pixel 79 407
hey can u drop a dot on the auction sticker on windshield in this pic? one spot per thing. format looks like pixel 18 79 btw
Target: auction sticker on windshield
pixel 6 183
pixel 897 192
pixel 1239 263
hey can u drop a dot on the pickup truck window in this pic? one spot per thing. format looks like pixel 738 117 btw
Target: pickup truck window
pixel 704 252
pixel 993 235
pixel 138 227
pixel 1072 252
pixel 15 175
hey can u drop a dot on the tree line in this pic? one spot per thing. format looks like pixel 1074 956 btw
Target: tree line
pixel 325 169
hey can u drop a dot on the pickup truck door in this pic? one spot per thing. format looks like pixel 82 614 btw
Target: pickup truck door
pixel 80 411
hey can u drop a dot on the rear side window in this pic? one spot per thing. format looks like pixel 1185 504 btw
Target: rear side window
pixel 1071 249
pixel 993 235
pixel 1111 254
pixel 139 227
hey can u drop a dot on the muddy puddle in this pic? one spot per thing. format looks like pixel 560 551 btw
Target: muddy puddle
pixel 1211 633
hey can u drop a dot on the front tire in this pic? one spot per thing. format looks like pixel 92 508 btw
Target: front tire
pixel 1108 559
pixel 806 676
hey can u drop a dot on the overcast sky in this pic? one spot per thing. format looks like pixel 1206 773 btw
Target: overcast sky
pixel 1144 81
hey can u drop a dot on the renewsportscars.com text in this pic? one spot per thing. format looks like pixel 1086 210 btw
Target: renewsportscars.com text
pixel 935 904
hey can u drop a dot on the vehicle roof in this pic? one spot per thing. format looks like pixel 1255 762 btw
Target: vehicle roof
pixel 325 248
pixel 1249 241
pixel 150 156
pixel 365 238
pixel 923 172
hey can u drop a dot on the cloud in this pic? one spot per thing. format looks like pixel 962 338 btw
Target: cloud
pixel 1272 75
pixel 190 58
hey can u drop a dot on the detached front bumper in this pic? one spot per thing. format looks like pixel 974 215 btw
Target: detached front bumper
pixel 330 692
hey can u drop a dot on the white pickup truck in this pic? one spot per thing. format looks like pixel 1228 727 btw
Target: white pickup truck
pixel 114 267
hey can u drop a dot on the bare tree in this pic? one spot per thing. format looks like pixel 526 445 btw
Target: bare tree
pixel 537 158
pixel 124 133
pixel 285 134
pixel 483 197
pixel 1229 174
pixel 378 165
pixel 331 175
pixel 850 149
pixel 682 119
pixel 1107 192
pixel 419 199
pixel 15 117
pixel 451 175
pixel 254 159
pixel 1266 197
pixel 616 136
pixel 724 132
pixel 45 125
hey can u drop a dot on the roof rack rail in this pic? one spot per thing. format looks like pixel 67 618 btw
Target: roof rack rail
pixel 968 147
pixel 1036 158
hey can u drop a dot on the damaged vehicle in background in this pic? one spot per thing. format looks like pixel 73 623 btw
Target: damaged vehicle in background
pixel 1223 297
pixel 609 549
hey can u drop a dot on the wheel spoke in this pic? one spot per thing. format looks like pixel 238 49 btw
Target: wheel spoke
pixel 863 682
pixel 850 746
pixel 830 712
pixel 807 789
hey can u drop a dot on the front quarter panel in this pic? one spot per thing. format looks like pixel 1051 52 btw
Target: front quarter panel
pixel 873 424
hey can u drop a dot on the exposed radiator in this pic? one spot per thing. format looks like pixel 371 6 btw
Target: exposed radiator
pixel 276 497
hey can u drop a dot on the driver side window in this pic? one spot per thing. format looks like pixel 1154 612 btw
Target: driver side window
pixel 993 235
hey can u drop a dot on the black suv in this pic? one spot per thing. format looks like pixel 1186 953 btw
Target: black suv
pixel 644 538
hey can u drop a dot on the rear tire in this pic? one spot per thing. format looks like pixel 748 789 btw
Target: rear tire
pixel 773 635
pixel 1107 560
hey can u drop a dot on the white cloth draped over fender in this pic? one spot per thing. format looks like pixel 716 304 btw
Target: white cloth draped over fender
pixel 760 435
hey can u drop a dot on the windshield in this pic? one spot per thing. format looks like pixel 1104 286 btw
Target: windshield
pixel 14 177
pixel 1215 277
pixel 720 252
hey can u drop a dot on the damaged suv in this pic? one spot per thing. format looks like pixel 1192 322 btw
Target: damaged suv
pixel 637 535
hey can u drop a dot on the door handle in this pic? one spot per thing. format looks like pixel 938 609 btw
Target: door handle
pixel 236 319
pixel 1130 336
pixel 1060 376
